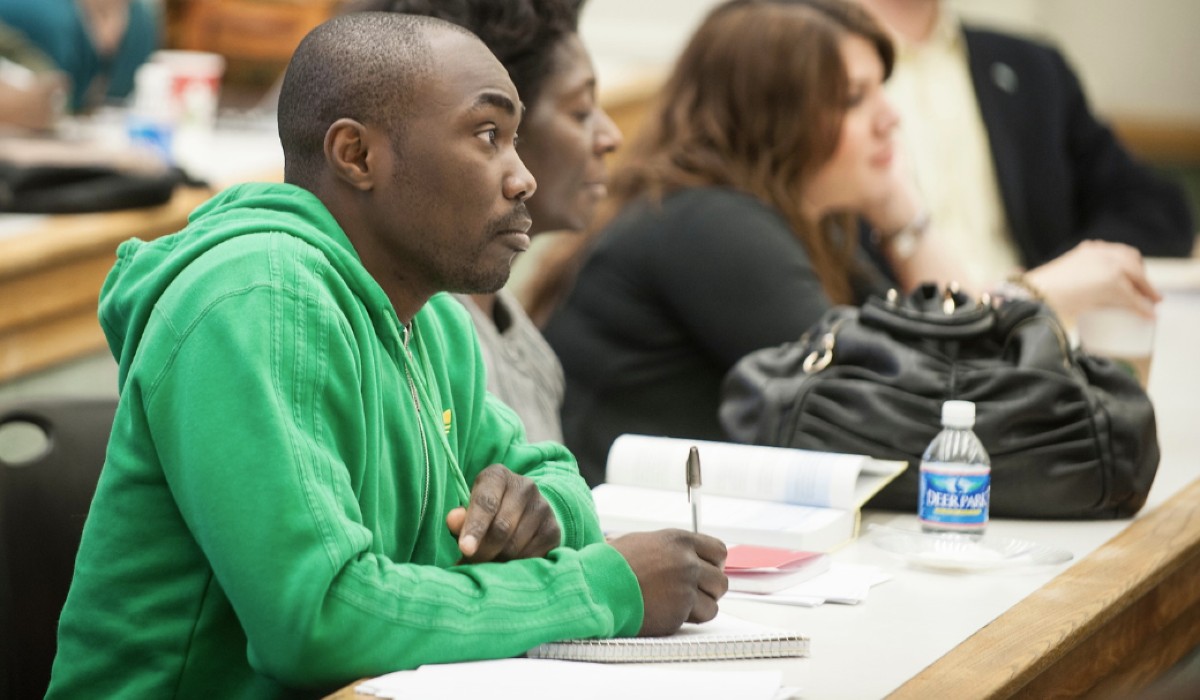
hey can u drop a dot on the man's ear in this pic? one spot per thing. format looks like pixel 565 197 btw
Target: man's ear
pixel 347 146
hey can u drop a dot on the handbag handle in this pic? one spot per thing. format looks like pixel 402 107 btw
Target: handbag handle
pixel 929 312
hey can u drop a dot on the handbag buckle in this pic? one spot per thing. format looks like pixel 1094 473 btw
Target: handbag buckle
pixel 818 360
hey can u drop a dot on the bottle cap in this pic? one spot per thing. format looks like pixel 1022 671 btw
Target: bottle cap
pixel 958 414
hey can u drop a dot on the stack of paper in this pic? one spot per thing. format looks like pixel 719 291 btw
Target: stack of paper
pixel 539 679
pixel 847 584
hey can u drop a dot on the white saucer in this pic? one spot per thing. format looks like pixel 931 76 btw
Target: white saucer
pixel 955 552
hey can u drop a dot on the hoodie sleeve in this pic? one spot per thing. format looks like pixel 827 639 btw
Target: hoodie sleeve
pixel 493 434
pixel 253 416
pixel 498 437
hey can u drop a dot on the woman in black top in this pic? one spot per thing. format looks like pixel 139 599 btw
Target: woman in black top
pixel 736 226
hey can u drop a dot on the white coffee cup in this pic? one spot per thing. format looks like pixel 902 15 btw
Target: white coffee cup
pixel 1121 335
pixel 195 85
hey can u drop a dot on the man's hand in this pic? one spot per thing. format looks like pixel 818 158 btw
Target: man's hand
pixel 681 575
pixel 506 519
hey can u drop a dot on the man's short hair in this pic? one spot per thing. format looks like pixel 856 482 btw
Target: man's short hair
pixel 523 34
pixel 363 66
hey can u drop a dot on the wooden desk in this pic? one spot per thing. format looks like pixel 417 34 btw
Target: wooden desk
pixel 50 278
pixel 1105 625
pixel 52 268
pixel 1120 617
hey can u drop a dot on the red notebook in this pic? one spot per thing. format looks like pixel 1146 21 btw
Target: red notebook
pixel 755 569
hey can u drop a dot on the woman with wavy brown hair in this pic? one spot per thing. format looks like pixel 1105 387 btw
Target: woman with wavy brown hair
pixel 736 219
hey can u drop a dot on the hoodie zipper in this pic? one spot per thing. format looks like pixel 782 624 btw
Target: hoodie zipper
pixel 412 388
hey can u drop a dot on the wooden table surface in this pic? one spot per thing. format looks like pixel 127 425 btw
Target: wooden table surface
pixel 51 273
pixel 1103 626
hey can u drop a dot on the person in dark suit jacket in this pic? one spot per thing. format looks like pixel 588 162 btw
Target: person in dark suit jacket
pixel 1062 180
pixel 1063 175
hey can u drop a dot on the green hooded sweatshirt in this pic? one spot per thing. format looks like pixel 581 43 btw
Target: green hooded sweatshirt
pixel 271 513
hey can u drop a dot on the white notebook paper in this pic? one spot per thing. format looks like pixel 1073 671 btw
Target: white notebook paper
pixel 539 679
pixel 725 637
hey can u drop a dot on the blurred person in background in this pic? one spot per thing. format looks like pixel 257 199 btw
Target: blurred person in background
pixel 735 227
pixel 1015 169
pixel 565 136
pixel 32 91
pixel 98 44
pixel 739 209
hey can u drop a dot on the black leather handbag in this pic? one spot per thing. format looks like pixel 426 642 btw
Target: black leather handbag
pixel 1070 435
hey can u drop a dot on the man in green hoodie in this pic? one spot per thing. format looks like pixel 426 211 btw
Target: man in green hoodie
pixel 307 482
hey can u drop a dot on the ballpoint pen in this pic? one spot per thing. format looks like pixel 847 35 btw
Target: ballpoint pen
pixel 693 486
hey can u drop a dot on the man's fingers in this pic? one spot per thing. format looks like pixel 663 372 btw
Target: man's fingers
pixel 486 498
pixel 512 510
pixel 455 519
pixel 507 518
pixel 494 541
pixel 711 550
pixel 546 535
pixel 713 581
pixel 705 608
pixel 524 539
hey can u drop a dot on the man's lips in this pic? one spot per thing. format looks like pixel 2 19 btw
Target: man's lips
pixel 519 226
pixel 517 240
pixel 516 234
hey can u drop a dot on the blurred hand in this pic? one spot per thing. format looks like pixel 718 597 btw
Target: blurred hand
pixel 681 575
pixel 1096 274
pixel 506 519
pixel 35 101
pixel 897 205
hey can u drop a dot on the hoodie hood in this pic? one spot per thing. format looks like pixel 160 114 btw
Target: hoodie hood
pixel 144 270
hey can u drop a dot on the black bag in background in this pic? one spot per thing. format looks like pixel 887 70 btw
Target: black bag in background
pixel 77 189
pixel 1070 435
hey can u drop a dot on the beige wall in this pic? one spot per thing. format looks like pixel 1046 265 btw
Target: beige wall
pixel 1136 58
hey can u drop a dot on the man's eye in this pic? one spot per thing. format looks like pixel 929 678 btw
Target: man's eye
pixel 489 135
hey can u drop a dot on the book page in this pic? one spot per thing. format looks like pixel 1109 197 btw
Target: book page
pixel 631 508
pixel 804 477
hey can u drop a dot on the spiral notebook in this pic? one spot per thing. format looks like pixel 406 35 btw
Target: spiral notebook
pixel 724 638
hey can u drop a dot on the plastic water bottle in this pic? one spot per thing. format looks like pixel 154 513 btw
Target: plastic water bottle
pixel 956 476
pixel 150 122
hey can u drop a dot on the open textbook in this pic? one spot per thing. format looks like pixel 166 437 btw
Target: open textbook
pixel 773 496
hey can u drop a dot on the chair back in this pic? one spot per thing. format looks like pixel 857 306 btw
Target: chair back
pixel 44 499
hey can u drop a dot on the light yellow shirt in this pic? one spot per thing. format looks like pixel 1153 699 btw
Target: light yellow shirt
pixel 942 131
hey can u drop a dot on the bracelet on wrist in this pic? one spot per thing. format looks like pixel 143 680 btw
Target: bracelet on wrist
pixel 903 243
pixel 1018 286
